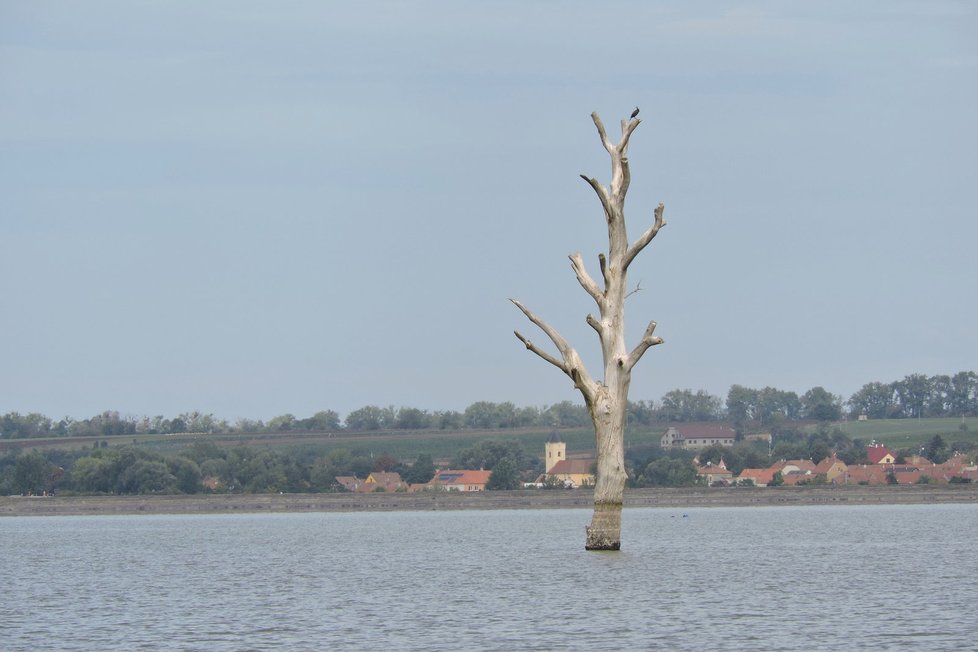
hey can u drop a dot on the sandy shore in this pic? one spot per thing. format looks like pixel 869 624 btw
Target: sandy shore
pixel 676 498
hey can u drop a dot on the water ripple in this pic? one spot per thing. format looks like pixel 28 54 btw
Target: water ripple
pixel 792 578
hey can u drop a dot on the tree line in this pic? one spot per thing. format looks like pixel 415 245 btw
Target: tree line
pixel 205 467
pixel 916 395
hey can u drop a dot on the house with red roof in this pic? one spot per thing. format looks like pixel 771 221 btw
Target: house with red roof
pixel 384 481
pixel 880 454
pixel 957 460
pixel 935 473
pixel 792 478
pixel 791 466
pixel 571 473
pixel 794 471
pixel 904 473
pixel 759 477
pixel 958 466
pixel 969 473
pixel 864 474
pixel 459 480
pixel 376 481
pixel 715 473
pixel 831 467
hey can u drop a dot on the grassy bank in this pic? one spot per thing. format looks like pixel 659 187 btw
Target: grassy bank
pixel 667 497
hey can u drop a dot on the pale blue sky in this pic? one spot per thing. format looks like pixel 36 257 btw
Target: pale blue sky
pixel 253 208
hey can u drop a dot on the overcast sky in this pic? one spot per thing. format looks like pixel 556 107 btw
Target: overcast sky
pixel 257 208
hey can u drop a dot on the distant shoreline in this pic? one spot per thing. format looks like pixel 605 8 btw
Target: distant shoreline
pixel 445 501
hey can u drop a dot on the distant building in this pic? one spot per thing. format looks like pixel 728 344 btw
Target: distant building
pixel 571 473
pixel 460 480
pixel 865 474
pixel 832 468
pixel 696 437
pixel 376 481
pixel 554 451
pixel 880 454
pixel 757 477
pixel 794 472
pixel 794 466
pixel 384 481
pixel 905 473
pixel 715 473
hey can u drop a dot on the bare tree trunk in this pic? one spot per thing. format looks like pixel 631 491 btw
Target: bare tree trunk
pixel 606 401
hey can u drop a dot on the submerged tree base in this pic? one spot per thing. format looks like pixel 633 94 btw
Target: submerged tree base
pixel 604 532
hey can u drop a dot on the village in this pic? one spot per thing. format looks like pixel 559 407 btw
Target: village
pixel 831 470
pixel 884 467
pixel 560 472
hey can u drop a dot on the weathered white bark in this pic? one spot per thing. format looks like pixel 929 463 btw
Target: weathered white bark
pixel 607 400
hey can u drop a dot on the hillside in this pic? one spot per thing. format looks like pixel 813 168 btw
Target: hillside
pixel 443 444
pixel 912 433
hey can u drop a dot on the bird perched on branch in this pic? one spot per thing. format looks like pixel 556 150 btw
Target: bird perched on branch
pixel 634 113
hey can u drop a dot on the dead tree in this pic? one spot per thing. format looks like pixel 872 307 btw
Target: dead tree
pixel 606 400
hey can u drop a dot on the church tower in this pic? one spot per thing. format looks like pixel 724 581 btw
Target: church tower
pixel 555 450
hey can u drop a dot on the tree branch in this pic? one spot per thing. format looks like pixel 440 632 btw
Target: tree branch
pixel 626 178
pixel 602 193
pixel 577 262
pixel 648 340
pixel 540 352
pixel 594 323
pixel 601 132
pixel 572 364
pixel 626 132
pixel 646 237
pixel 621 174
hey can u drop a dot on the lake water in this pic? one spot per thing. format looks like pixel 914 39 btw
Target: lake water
pixel 787 578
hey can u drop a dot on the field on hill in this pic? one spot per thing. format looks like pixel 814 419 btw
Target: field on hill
pixel 442 445
pixel 912 433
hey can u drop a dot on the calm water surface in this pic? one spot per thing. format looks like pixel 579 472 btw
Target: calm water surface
pixel 788 578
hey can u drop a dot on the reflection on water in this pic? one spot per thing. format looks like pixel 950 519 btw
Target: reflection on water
pixel 791 578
